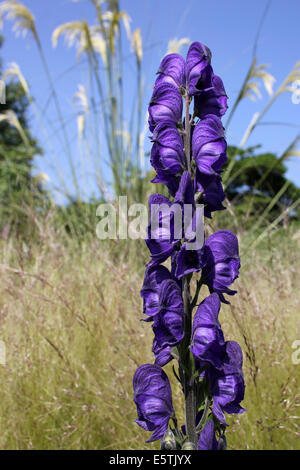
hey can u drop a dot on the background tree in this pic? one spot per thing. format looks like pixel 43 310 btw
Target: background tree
pixel 18 187
pixel 258 184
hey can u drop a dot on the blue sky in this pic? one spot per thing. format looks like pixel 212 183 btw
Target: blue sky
pixel 227 27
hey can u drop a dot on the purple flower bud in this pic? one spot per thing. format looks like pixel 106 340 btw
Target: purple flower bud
pixel 165 105
pixel 207 439
pixel 227 385
pixel 154 276
pixel 212 101
pixel 207 337
pixel 167 154
pixel 172 70
pixel 211 190
pixel 153 399
pixel 198 68
pixel 209 145
pixel 168 323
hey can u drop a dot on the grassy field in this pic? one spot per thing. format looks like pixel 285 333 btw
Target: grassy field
pixel 69 317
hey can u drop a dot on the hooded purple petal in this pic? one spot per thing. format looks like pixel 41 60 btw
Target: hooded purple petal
pixel 207 337
pixel 154 276
pixel 153 399
pixel 161 241
pixel 212 192
pixel 222 262
pixel 165 105
pixel 172 70
pixel 168 323
pixel 185 193
pixel 213 101
pixel 188 261
pixel 227 385
pixel 198 68
pixel 209 145
pixel 167 151
pixel 207 439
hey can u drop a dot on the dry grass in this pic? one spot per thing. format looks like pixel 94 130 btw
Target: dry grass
pixel 69 317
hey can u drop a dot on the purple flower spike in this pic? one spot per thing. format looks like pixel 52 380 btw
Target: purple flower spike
pixel 209 145
pixel 222 262
pixel 207 337
pixel 212 101
pixel 172 70
pixel 168 323
pixel 227 386
pixel 167 154
pixel 207 439
pixel 212 194
pixel 165 105
pixel 153 399
pixel 198 68
pixel 151 287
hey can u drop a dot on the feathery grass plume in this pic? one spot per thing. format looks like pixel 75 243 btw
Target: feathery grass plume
pixel 136 44
pixel 14 71
pixel 82 101
pixel 251 88
pixel 175 45
pixel 11 118
pixel 24 21
pixel 82 36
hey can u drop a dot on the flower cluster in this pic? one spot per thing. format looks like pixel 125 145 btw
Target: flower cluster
pixel 187 155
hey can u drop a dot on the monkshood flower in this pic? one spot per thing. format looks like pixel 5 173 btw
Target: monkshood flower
pixel 212 194
pixel 208 342
pixel 160 241
pixel 153 399
pixel 165 104
pixel 198 68
pixel 213 101
pixel 154 277
pixel 227 385
pixel 218 259
pixel 167 155
pixel 209 145
pixel 172 70
pixel 222 262
pixel 162 238
pixel 168 323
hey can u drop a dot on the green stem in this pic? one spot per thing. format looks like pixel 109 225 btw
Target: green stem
pixel 186 358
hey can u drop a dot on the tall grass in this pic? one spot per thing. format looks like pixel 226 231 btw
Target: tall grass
pixel 70 322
